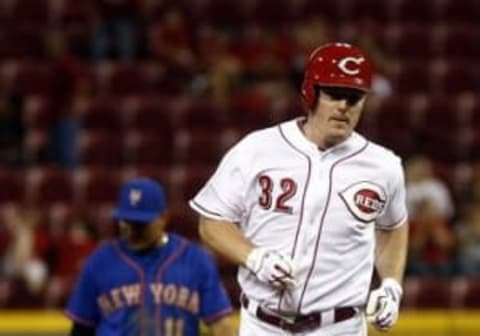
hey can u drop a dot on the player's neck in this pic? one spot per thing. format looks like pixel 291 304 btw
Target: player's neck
pixel 161 241
pixel 314 134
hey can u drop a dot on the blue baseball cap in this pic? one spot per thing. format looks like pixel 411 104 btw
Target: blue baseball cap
pixel 140 200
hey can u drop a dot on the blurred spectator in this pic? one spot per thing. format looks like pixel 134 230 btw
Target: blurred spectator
pixel 72 249
pixel 307 34
pixel 381 85
pixel 468 238
pixel 11 129
pixel 221 71
pixel 115 34
pixel 430 209
pixel 171 40
pixel 471 194
pixel 263 55
pixel 431 243
pixel 72 80
pixel 423 185
pixel 25 260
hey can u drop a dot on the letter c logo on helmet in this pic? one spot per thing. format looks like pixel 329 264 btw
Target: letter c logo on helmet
pixel 349 69
pixel 336 65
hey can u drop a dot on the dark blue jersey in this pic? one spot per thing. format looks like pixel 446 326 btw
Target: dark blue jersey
pixel 162 292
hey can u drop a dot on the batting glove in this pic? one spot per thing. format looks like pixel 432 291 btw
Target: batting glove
pixel 383 304
pixel 271 267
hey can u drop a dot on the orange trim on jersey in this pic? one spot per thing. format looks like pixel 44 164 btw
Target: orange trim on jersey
pixel 159 273
pixel 141 275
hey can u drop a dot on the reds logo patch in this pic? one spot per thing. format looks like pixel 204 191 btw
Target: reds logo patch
pixel 365 200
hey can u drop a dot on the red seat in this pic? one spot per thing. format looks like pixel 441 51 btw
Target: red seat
pixel 30 77
pixel 412 77
pixel 424 292
pixel 447 144
pixel 456 78
pixel 12 186
pixel 70 11
pixel 442 113
pixel 21 41
pixel 183 220
pixel 409 42
pixel 101 148
pixel 250 109
pixel 377 10
pixel 394 127
pixel 149 114
pixel 200 146
pixel 128 78
pixel 39 112
pixel 416 11
pixel 224 13
pixel 472 296
pixel 31 12
pixel 189 179
pixel 46 186
pixel 273 13
pixel 96 186
pixel 99 115
pixel 461 42
pixel 149 148
pixel 330 9
pixel 100 215
pixel 160 173
pixel 460 11
pixel 203 113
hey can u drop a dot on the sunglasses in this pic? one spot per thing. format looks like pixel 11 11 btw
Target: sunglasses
pixel 352 96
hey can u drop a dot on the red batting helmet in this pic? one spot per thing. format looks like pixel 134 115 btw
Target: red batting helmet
pixel 336 64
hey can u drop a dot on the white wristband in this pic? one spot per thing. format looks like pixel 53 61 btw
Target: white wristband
pixel 255 259
pixel 393 283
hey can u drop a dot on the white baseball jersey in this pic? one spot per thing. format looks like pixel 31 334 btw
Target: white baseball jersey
pixel 321 207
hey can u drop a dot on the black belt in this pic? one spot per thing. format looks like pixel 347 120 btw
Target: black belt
pixel 300 323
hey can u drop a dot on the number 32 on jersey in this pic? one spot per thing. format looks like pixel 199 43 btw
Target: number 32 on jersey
pixel 288 188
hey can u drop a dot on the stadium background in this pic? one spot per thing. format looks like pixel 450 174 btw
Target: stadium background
pixel 94 92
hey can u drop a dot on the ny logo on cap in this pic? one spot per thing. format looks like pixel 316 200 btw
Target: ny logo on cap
pixel 135 196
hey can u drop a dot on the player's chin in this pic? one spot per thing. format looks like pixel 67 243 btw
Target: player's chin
pixel 337 135
pixel 140 244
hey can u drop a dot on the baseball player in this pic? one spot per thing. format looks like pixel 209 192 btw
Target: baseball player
pixel 148 282
pixel 308 207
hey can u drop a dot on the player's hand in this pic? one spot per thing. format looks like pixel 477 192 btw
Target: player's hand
pixel 383 304
pixel 271 267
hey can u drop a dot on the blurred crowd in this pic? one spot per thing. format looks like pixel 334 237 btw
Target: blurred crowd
pixel 245 61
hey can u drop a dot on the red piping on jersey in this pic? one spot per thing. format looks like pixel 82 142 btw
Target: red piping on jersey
pixel 78 319
pixel 329 195
pixel 206 210
pixel 141 275
pixel 307 183
pixel 158 276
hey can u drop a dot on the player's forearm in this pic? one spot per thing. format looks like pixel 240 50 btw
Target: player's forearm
pixel 225 238
pixel 391 252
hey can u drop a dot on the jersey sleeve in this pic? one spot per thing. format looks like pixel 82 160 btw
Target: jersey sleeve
pixel 82 306
pixel 395 213
pixel 222 196
pixel 214 300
